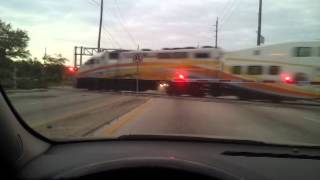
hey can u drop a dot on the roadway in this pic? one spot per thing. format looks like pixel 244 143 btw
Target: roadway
pixel 72 113
pixel 280 123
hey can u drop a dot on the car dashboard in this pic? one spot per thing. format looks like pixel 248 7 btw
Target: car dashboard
pixel 145 159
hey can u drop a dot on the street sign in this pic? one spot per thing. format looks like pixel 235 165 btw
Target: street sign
pixel 138 58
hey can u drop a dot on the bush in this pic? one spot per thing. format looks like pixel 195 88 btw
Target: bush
pixel 27 83
pixel 6 79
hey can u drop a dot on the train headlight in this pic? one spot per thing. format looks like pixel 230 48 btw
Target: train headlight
pixel 163 85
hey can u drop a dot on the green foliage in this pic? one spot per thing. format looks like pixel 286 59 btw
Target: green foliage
pixel 57 59
pixel 54 68
pixel 13 42
pixel 18 70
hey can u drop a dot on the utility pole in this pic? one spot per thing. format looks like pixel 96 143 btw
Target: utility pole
pixel 100 26
pixel 137 63
pixel 259 23
pixel 217 27
pixel 45 55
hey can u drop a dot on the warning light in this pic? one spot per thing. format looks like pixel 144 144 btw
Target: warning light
pixel 181 76
pixel 286 78
pixel 71 69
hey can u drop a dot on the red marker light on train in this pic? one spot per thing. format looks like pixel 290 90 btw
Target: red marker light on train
pixel 286 78
pixel 72 69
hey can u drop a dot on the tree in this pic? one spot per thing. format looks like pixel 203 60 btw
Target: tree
pixel 57 59
pixel 29 74
pixel 13 42
pixel 55 68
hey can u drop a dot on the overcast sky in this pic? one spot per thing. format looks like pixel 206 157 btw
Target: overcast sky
pixel 60 25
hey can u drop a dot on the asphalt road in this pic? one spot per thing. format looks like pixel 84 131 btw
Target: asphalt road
pixel 37 107
pixel 71 113
pixel 280 123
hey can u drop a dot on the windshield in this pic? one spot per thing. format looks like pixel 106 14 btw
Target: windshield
pixel 232 69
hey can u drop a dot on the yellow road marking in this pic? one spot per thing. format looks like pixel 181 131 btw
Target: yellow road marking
pixel 119 123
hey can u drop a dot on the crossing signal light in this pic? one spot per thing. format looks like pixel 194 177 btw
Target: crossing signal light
pixel 72 69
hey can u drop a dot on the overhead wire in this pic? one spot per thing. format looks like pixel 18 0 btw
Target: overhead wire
pixel 109 40
pixel 232 10
pixel 121 18
pixel 229 10
pixel 111 37
pixel 108 32
pixel 107 35
pixel 224 10
pixel 94 2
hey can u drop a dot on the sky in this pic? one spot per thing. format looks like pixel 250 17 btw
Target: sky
pixel 59 25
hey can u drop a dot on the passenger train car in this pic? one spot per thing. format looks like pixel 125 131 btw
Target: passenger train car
pixel 289 70
pixel 118 69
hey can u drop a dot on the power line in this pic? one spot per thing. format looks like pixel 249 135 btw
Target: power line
pixel 121 19
pixel 225 9
pixel 109 34
pixel 231 9
pixel 109 40
pixel 95 2
pixel 223 22
pixel 113 39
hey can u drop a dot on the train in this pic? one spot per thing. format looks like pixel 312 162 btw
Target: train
pixel 284 71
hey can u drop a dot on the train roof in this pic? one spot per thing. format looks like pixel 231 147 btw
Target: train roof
pixel 315 43
pixel 177 50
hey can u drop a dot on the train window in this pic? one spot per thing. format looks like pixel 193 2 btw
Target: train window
pixel 202 55
pixel 89 62
pixel 256 52
pixel 172 55
pixel 236 70
pixel 300 77
pixel 179 55
pixel 303 51
pixel 254 70
pixel 148 55
pixel 163 55
pixel 274 70
pixel 114 56
pixel 96 61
